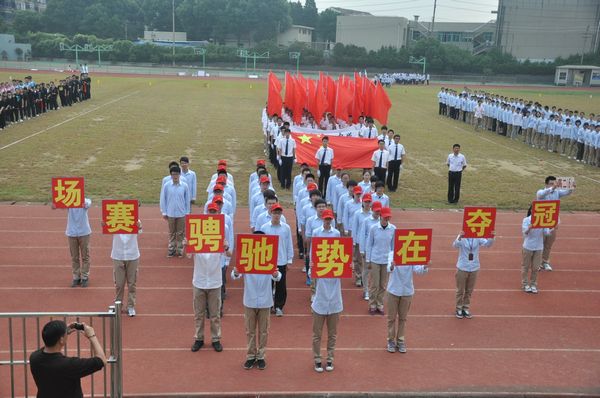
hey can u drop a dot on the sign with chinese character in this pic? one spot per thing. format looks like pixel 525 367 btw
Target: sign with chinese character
pixel 412 246
pixel 479 222
pixel 120 216
pixel 331 257
pixel 544 213
pixel 205 233
pixel 565 182
pixel 67 192
pixel 256 254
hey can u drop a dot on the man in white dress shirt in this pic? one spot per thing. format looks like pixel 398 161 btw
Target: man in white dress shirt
pixel 456 163
pixel 380 161
pixel 397 156
pixel 324 158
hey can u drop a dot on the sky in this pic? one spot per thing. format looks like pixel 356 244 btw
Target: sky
pixel 447 10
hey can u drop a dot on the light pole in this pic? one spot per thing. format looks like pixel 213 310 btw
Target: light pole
pixel 173 44
pixel 201 51
pixel 296 55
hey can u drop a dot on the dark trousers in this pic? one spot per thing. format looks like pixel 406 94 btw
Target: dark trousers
pixel 299 239
pixel 393 174
pixel 325 171
pixel 454 178
pixel 580 149
pixel 441 108
pixel 287 162
pixel 380 173
pixel 280 288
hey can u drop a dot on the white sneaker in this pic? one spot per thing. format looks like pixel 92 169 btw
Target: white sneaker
pixel 304 269
pixel 527 289
pixel 318 367
pixel 547 266
pixel 131 311
pixel 533 290
pixel 329 366
pixel 278 312
pixel 366 296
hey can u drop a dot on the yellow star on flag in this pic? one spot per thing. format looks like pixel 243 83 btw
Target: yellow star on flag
pixel 304 139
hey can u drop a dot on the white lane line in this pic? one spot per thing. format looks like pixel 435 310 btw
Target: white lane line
pixel 68 120
pixel 427 316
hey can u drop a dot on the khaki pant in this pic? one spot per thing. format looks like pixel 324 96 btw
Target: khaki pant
pixel 555 143
pixel 357 258
pixel 532 260
pixel 319 320
pixel 586 153
pixel 79 246
pixel 365 275
pixel 126 271
pixel 213 297
pixel 597 163
pixel 176 234
pixel 548 242
pixel 527 137
pixel 253 318
pixel 465 283
pixel 378 277
pixel 592 156
pixel 565 145
pixel 397 307
pixel 573 149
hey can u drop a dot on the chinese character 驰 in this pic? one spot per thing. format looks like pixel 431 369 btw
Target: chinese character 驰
pixel 256 254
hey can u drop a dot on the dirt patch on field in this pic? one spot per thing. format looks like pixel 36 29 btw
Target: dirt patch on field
pixel 133 164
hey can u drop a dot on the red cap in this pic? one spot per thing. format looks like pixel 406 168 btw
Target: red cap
pixel 327 214
pixel 218 187
pixel 311 187
pixel 212 206
pixel 386 212
pixel 376 206
pixel 338 167
pixel 276 206
pixel 221 178
pixel 217 199
pixel 367 197
pixel 264 179
pixel 357 190
pixel 260 162
pixel 222 162
pixel 222 167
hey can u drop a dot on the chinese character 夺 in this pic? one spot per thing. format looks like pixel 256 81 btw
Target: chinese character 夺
pixel 479 221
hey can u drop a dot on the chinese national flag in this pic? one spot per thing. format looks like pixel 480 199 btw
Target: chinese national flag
pixel 256 254
pixel 289 99
pixel 67 192
pixel 331 257
pixel 274 101
pixel 544 213
pixel 349 152
pixel 343 100
pixel 120 216
pixel 412 246
pixel 479 222
pixel 380 104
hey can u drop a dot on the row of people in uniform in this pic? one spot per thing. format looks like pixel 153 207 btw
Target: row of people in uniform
pixel 569 133
pixel 388 79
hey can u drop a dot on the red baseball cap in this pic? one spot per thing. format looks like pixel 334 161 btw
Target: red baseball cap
pixel 386 212
pixel 221 178
pixel 357 190
pixel 222 162
pixel 276 206
pixel 312 186
pixel 222 167
pixel 212 206
pixel 367 197
pixel 217 199
pixel 376 206
pixel 260 162
pixel 218 187
pixel 327 214
pixel 264 179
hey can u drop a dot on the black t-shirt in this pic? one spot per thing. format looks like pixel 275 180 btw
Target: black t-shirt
pixel 59 376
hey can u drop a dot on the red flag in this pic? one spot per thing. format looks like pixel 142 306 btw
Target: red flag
pixel 380 104
pixel 311 95
pixel 349 152
pixel 358 102
pixel 331 93
pixel 367 94
pixel 320 101
pixel 299 101
pixel 274 101
pixel 343 100
pixel 290 90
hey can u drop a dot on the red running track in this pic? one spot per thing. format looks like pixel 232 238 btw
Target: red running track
pixel 517 344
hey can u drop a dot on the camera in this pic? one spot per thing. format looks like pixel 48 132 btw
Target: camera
pixel 78 326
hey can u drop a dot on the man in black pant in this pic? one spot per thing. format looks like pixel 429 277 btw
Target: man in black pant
pixel 380 161
pixel 397 156
pixel 324 158
pixel 456 164
pixel 286 150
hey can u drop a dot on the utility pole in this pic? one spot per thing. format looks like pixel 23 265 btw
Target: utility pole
pixel 586 36
pixel 173 44
pixel 433 17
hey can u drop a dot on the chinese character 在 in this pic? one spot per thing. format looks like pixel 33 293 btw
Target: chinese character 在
pixel 412 247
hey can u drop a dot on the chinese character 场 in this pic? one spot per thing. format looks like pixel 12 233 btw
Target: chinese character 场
pixel 257 254
pixel 331 257
pixel 544 213
pixel 479 222
pixel 205 233
pixel 120 216
pixel 67 192
pixel 412 247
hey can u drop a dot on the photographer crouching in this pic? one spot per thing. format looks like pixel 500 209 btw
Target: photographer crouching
pixel 57 375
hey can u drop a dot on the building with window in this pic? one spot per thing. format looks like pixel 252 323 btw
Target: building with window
pixel 295 33
pixel 11 51
pixel 577 75
pixel 475 37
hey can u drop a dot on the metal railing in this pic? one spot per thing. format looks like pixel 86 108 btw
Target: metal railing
pixel 19 339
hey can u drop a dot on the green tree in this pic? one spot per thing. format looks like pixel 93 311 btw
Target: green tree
pixel 27 21
pixel 297 13
pixel 311 14
pixel 326 26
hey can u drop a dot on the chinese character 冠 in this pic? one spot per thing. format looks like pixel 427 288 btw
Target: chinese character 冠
pixel 412 247
pixel 331 257
pixel 256 254
pixel 68 192
pixel 544 214
pixel 120 217
pixel 205 232
pixel 479 221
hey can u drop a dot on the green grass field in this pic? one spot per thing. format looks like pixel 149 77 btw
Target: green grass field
pixel 123 139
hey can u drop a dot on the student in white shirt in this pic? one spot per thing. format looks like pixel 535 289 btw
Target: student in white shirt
pixel 357 220
pixel 380 242
pixel 189 176
pixel 380 160
pixel 456 163
pixel 286 151
pixel 400 291
pixel 467 269
pixel 369 131
pixel 478 115
pixel 397 156
pixel 365 184
pixel 258 300
pixel 324 158
pixel 533 245
pixel 379 196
